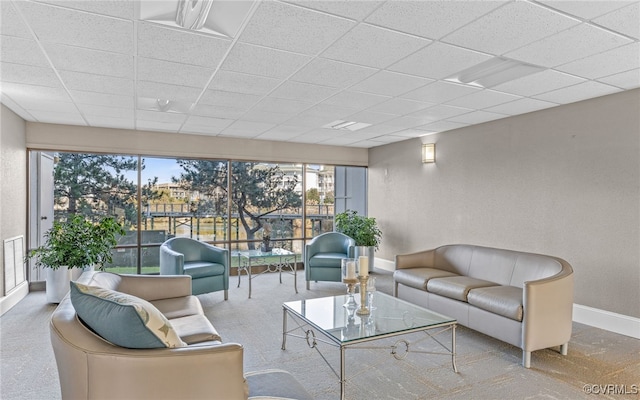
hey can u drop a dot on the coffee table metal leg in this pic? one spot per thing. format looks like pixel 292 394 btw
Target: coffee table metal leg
pixel 284 328
pixel 342 373
pixel 453 347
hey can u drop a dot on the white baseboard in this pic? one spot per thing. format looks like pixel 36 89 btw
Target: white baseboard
pixel 618 323
pixel 18 293
pixel 380 263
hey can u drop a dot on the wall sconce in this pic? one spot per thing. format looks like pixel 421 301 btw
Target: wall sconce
pixel 428 153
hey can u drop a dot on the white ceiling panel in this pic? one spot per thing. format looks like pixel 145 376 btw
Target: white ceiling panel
pixel 321 71
pixel 273 23
pixel 439 61
pixel 69 58
pixel 373 47
pixel 573 44
pixel 162 43
pixel 390 83
pixel 625 20
pixel 578 92
pixel 286 69
pixel 610 62
pixel 80 28
pixel 510 27
pixel 263 61
pixel 430 19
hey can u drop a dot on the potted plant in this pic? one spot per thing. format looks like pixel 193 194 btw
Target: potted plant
pixel 76 243
pixel 364 230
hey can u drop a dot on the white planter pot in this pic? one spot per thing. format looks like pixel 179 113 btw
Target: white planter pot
pixel 57 282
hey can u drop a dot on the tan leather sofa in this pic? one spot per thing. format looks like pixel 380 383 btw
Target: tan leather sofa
pixel 90 367
pixel 520 298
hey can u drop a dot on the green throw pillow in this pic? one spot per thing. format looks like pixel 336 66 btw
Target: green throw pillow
pixel 122 319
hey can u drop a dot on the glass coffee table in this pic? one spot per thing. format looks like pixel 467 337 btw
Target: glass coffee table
pixel 342 327
pixel 275 260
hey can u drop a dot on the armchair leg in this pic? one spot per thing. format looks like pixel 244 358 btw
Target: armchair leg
pixel 308 285
pixel 526 359
pixel 564 349
pixel 226 294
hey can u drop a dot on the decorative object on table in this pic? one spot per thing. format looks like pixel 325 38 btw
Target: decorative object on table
pixel 363 230
pixel 350 278
pixel 363 310
pixel 265 247
pixel 371 290
pixel 72 245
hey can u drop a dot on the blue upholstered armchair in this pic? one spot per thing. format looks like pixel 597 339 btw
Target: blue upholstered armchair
pixel 323 256
pixel 207 265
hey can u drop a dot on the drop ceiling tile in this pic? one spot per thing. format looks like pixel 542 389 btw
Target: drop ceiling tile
pixel 483 99
pixel 80 29
pixel 281 106
pixel 265 116
pixel 97 83
pixel 430 19
pixel 610 62
pixel 102 99
pixel 439 61
pixel 239 101
pixel 392 139
pixel 273 23
pixel 242 83
pixel 154 125
pixel 28 74
pixel 321 71
pixel 585 9
pixel 353 9
pixel 173 73
pixel 121 9
pixel 578 92
pixel 22 51
pixel 328 111
pixel 390 83
pixel 625 80
pixel 54 117
pixel 521 106
pixel 407 133
pixel 476 117
pixel 442 126
pixel 188 47
pixel 303 91
pixel 109 122
pixel 510 27
pixel 440 92
pixel 399 106
pixel 217 111
pixel 575 43
pixel 359 100
pixel 624 20
pixel 340 141
pixel 320 135
pixel 52 106
pixel 207 124
pixel 11 24
pixel 309 121
pixel 15 107
pixel 158 116
pixel 369 117
pixel 25 94
pixel 376 130
pixel 373 47
pixel 407 122
pixel 96 62
pixel 262 61
pixel 282 132
pixel 91 110
pixel 439 112
pixel 156 90
pixel 246 129
pixel 541 82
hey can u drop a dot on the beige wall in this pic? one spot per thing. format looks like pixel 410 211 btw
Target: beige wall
pixel 563 181
pixel 13 180
pixel 79 138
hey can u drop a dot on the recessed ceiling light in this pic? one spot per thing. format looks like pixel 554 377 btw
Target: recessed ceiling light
pixel 494 72
pixel 346 125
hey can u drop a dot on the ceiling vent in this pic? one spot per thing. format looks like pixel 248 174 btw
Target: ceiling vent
pixel 163 105
pixel 493 72
pixel 351 126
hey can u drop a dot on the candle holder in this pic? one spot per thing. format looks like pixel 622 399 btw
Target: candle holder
pixel 363 310
pixel 350 278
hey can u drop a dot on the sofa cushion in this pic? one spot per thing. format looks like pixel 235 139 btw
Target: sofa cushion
pixel 327 260
pixel 456 287
pixel 418 277
pixel 501 300
pixel 177 307
pixel 122 319
pixel 195 329
pixel 200 269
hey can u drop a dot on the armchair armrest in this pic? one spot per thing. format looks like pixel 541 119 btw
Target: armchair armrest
pixel 419 259
pixel 171 262
pixel 156 287
pixel 215 254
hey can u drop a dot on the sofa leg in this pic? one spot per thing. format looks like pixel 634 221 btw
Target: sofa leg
pixel 526 359
pixel 226 294
pixel 395 289
pixel 308 285
pixel 564 349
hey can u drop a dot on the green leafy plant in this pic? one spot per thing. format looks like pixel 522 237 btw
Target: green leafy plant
pixel 364 230
pixel 77 243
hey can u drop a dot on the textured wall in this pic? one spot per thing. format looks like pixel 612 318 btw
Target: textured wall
pixel 13 180
pixel 563 181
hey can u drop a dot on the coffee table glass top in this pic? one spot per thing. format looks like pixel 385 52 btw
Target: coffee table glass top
pixel 390 316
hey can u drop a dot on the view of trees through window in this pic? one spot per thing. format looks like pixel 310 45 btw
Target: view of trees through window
pixel 238 205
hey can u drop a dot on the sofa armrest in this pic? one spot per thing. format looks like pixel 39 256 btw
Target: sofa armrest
pixel 419 259
pixel 156 287
pixel 548 310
